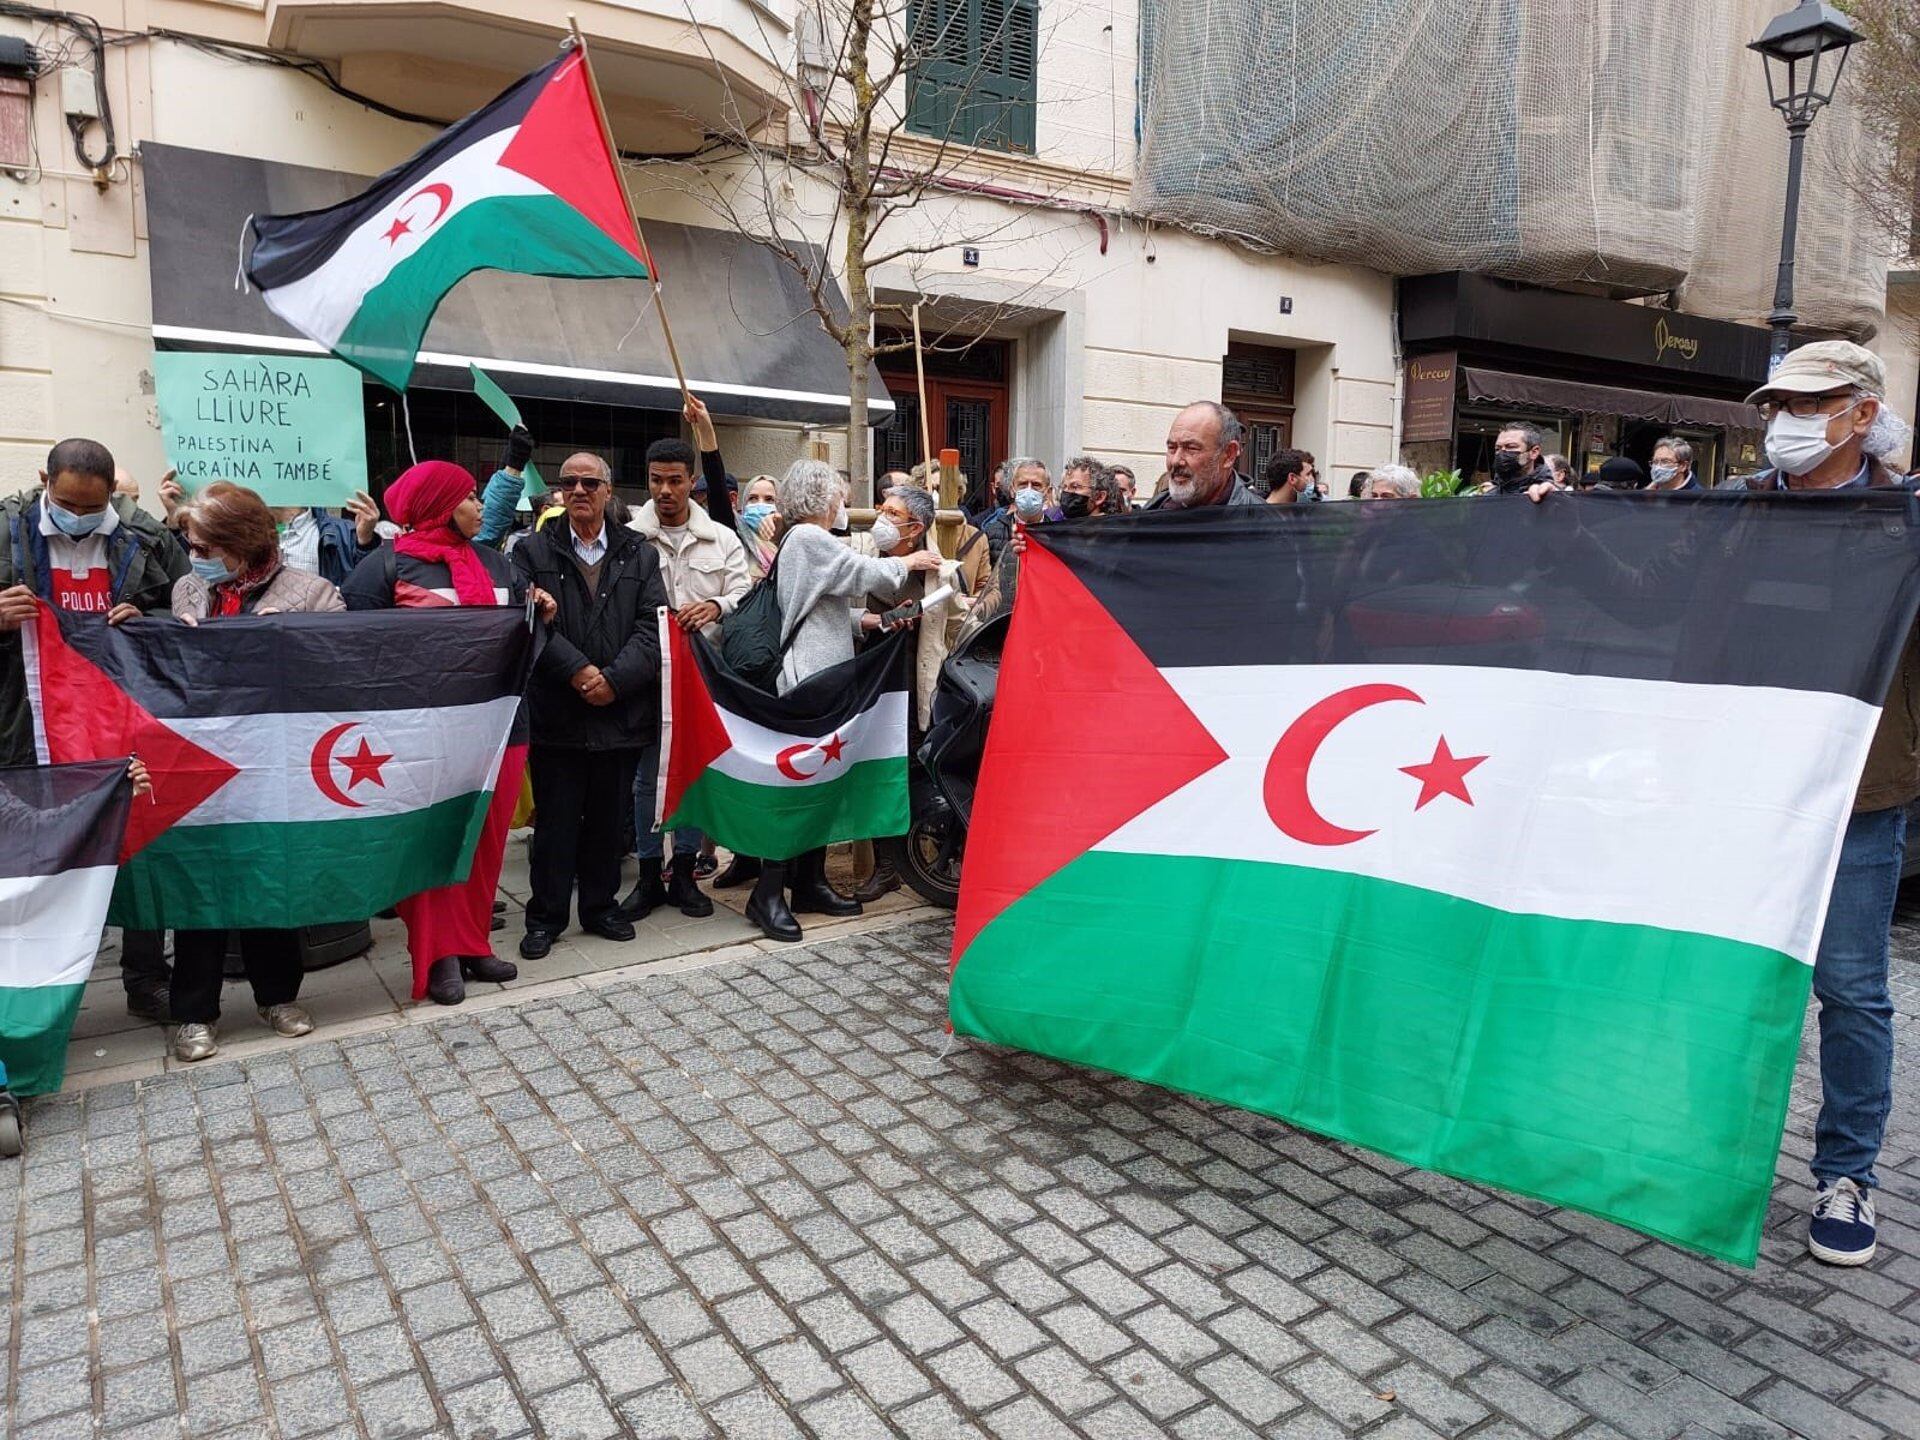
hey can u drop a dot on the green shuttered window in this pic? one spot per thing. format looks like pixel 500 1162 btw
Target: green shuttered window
pixel 971 79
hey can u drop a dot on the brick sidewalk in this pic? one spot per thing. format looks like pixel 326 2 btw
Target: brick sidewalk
pixel 755 1199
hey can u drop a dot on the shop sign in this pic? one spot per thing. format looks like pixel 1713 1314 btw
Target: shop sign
pixel 290 428
pixel 1428 410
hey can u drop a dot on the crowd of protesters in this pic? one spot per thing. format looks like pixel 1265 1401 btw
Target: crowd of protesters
pixel 588 733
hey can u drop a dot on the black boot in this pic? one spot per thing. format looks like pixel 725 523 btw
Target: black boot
pixel 812 895
pixel 767 906
pixel 645 895
pixel 444 985
pixel 884 881
pixel 683 891
pixel 490 968
pixel 740 869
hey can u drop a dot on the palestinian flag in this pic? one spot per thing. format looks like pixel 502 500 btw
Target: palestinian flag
pixel 525 184
pixel 307 769
pixel 780 775
pixel 60 829
pixel 1496 837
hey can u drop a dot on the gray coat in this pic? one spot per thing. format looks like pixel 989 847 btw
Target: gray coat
pixel 821 583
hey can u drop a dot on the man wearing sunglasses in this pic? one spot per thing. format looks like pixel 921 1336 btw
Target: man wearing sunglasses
pixel 593 703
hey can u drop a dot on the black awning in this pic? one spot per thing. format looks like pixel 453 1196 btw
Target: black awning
pixel 747 333
pixel 1542 393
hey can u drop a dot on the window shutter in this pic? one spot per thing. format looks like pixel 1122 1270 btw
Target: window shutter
pixel 974 78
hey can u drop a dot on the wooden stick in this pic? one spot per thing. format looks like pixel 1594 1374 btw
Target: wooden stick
pixel 920 375
pixel 613 153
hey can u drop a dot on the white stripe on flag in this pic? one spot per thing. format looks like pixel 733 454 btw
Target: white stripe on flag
pixel 50 926
pixel 435 755
pixel 876 734
pixel 323 303
pixel 1634 801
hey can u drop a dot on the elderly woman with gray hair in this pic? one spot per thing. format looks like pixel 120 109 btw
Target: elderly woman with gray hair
pixel 822 584
pixel 1392 482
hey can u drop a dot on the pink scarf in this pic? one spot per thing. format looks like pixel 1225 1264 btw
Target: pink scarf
pixel 424 499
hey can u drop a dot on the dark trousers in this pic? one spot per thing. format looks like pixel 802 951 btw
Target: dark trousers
pixel 581 801
pixel 143 961
pixel 272 958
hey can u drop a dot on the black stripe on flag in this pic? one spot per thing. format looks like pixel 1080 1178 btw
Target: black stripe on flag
pixel 823 702
pixel 56 818
pixel 360 663
pixel 286 247
pixel 1797 591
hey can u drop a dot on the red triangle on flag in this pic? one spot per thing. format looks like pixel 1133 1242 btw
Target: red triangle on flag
pixel 698 735
pixel 560 145
pixel 1074 689
pixel 84 715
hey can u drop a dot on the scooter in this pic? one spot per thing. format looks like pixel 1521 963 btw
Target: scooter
pixel 946 767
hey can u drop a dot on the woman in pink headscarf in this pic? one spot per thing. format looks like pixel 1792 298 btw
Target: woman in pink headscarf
pixel 436 563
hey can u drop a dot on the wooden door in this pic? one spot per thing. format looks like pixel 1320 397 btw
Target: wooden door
pixel 965 414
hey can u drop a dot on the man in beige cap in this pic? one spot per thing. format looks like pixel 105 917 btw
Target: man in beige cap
pixel 1826 431
pixel 1821 406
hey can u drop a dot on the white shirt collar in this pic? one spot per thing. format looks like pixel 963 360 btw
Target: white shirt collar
pixel 589 550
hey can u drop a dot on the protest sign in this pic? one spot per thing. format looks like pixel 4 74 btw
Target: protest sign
pixel 288 427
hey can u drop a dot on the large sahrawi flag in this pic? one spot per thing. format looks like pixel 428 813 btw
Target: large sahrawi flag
pixel 306 768
pixel 1497 837
pixel 525 184
pixel 780 775
pixel 60 829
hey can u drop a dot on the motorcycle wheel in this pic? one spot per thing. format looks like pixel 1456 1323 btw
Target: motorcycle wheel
pixel 927 857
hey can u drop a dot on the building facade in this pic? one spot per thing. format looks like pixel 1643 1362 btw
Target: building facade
pixel 1091 326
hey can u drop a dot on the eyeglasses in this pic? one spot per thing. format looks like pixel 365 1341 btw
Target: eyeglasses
pixel 1805 407
pixel 588 483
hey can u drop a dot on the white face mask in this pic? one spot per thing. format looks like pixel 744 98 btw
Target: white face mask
pixel 841 520
pixel 1799 447
pixel 886 534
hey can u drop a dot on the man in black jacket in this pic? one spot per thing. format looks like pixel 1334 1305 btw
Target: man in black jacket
pixel 593 702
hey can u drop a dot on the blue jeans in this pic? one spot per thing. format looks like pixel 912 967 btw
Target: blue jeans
pixel 1856 1011
pixel 646 839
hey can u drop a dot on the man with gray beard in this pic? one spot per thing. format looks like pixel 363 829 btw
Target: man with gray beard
pixel 1203 456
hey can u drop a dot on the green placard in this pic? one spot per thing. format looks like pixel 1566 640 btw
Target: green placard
pixel 289 427
pixel 501 403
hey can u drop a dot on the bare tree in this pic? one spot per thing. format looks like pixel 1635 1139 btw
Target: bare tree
pixel 1886 86
pixel 850 189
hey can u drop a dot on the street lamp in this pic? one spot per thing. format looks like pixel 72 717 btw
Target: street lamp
pixel 1800 79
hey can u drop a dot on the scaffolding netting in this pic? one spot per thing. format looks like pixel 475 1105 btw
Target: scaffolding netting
pixel 1620 144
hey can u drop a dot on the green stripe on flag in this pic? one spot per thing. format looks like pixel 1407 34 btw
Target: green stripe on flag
pixel 282 876
pixel 781 821
pixel 524 234
pixel 1638 1073
pixel 35 1022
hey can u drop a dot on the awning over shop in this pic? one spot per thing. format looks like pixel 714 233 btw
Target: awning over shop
pixel 747 334
pixel 1543 394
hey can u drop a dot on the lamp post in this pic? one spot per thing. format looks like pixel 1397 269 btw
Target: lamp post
pixel 1800 80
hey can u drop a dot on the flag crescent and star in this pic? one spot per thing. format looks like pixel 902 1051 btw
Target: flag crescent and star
pixel 363 765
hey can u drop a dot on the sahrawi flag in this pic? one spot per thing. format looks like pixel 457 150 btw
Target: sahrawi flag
pixel 525 184
pixel 780 775
pixel 306 768
pixel 60 829
pixel 1497 837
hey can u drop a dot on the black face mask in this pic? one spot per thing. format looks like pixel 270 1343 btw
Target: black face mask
pixel 1074 506
pixel 1506 465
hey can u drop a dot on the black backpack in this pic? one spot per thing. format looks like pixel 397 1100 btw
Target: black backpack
pixel 754 638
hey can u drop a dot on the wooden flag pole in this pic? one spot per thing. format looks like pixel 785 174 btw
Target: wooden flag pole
pixel 613 153
pixel 920 374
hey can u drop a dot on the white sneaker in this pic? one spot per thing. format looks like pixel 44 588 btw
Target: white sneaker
pixel 194 1042
pixel 1841 1231
pixel 289 1020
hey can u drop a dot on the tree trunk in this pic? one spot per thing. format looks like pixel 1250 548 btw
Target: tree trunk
pixel 859 437
pixel 857 200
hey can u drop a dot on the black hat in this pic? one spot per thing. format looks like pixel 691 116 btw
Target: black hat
pixel 1619 473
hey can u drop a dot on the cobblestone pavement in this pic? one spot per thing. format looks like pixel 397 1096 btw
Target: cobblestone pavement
pixel 756 1200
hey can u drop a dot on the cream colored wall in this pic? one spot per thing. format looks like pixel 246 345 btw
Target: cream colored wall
pixel 1898 343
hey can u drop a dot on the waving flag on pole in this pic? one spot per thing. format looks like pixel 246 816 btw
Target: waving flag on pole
pixel 306 769
pixel 527 184
pixel 60 828
pixel 1497 837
